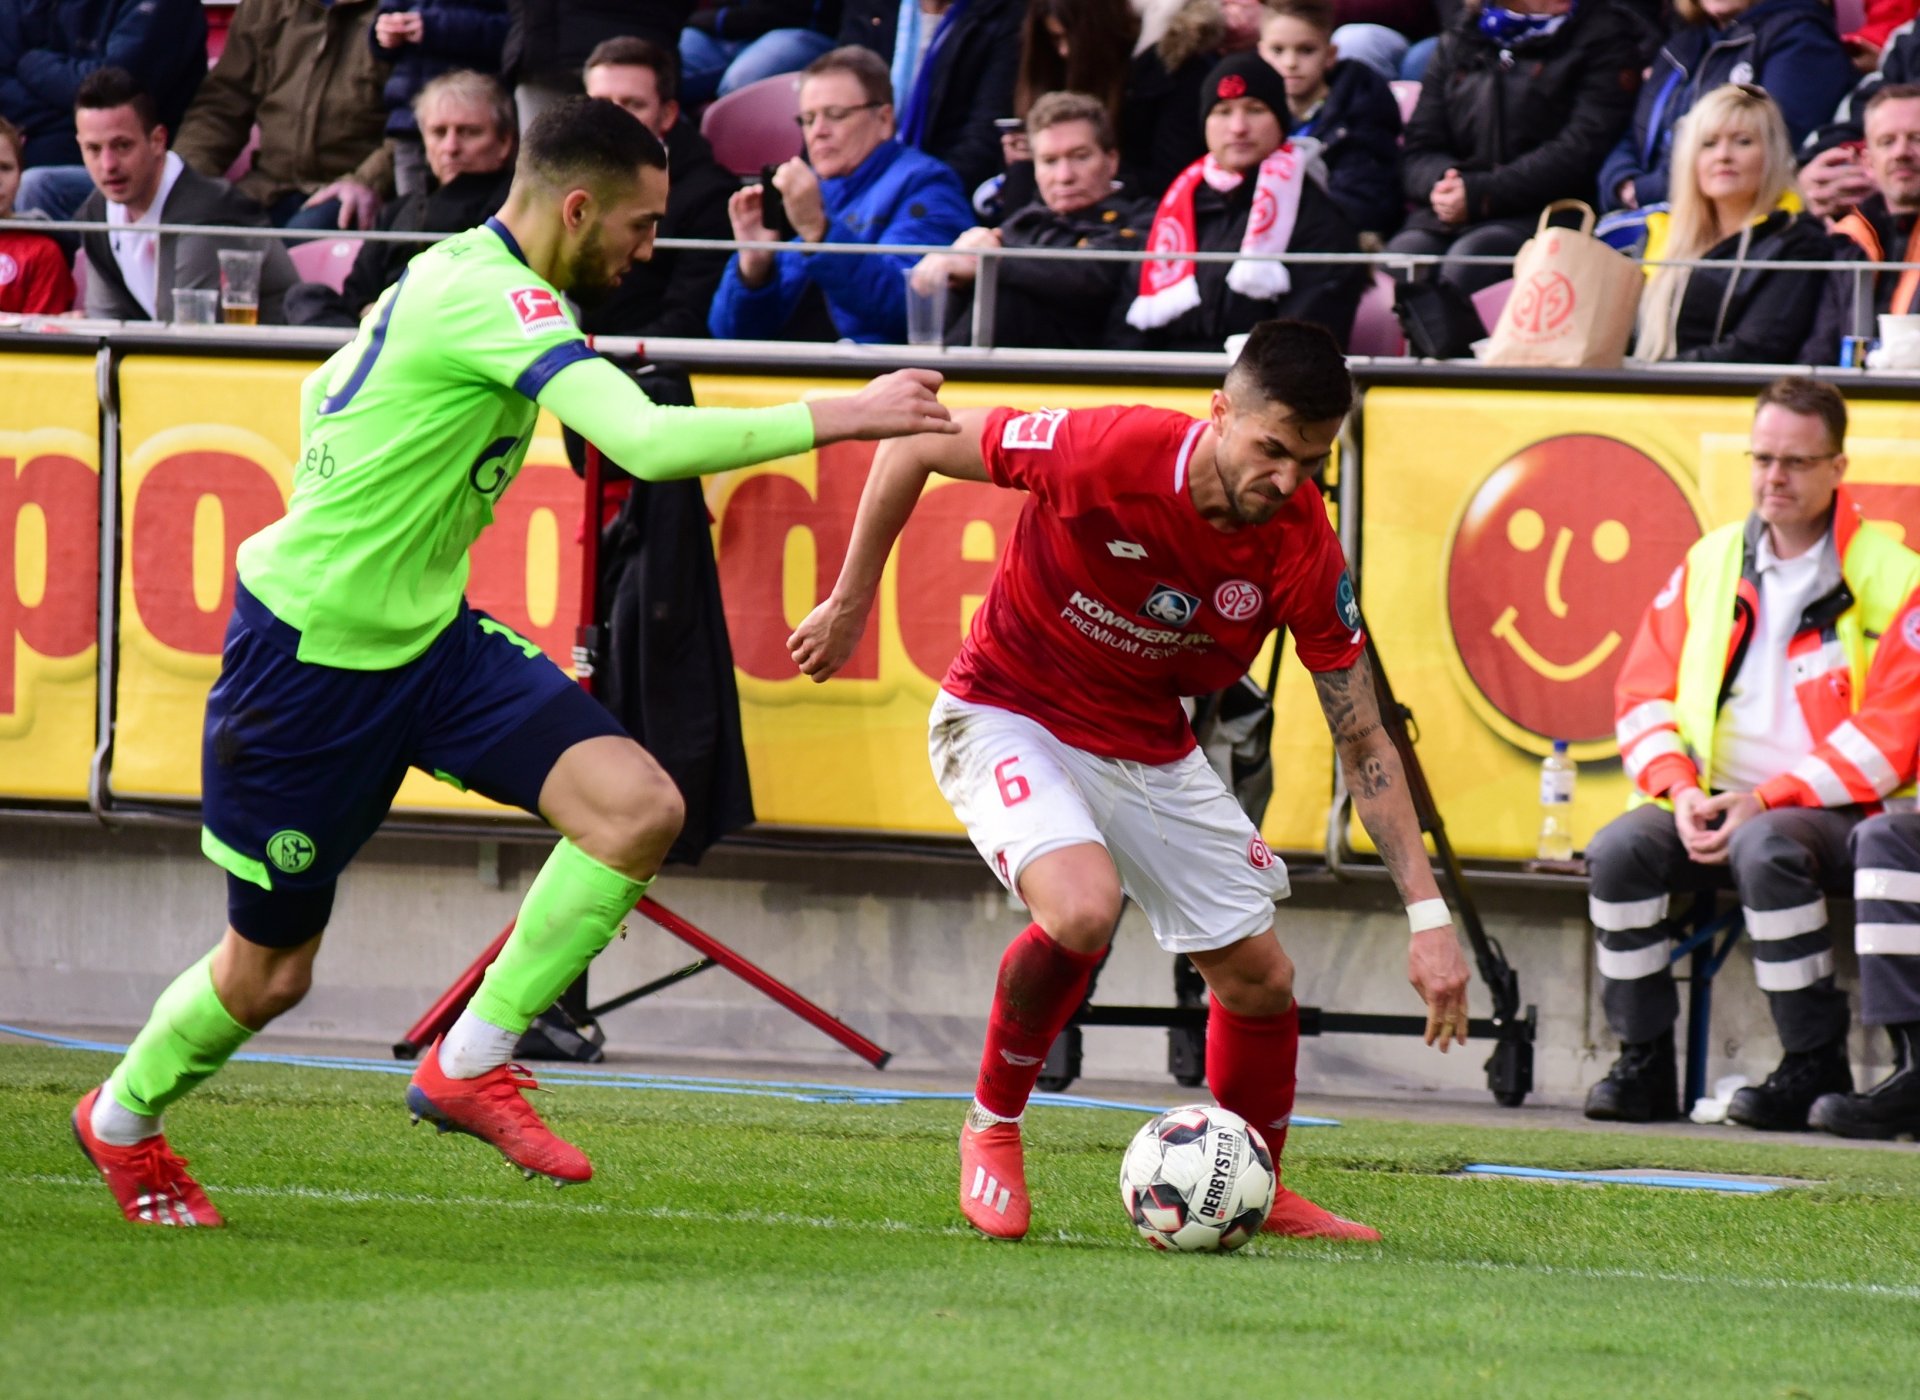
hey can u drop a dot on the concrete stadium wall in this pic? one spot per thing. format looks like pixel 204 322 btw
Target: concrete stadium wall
pixel 95 921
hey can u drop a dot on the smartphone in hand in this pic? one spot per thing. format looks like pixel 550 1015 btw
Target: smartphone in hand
pixel 773 208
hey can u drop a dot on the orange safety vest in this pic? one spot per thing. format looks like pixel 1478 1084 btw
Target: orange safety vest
pixel 1861 700
pixel 1860 229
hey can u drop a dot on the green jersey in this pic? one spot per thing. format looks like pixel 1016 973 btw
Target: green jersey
pixel 410 434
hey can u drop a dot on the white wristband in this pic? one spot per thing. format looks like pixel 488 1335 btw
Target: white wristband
pixel 1428 913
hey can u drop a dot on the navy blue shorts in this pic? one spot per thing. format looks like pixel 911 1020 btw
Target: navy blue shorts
pixel 300 762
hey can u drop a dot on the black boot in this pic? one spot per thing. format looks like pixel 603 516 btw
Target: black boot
pixel 1780 1105
pixel 1642 1086
pixel 1890 1108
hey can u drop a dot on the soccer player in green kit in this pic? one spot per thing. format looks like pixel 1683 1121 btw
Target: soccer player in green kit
pixel 352 655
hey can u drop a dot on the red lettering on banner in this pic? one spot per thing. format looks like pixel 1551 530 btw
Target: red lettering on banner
pixel 63 622
pixel 1891 503
pixel 760 515
pixel 162 548
pixel 935 576
pixel 497 580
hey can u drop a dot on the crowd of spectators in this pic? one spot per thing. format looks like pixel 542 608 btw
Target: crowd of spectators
pixel 1729 134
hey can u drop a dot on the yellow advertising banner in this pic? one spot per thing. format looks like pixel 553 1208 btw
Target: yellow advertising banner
pixel 207 448
pixel 1511 542
pixel 49 574
pixel 853 753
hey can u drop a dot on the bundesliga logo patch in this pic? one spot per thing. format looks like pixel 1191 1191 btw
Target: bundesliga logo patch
pixel 538 310
pixel 1169 607
pixel 1033 432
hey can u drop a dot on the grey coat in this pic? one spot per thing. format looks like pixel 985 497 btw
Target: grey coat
pixel 185 260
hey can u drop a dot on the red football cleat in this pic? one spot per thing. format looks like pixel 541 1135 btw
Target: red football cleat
pixel 149 1179
pixel 1295 1215
pixel 993 1180
pixel 490 1107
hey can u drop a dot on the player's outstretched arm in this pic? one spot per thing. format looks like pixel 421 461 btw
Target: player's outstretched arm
pixel 1371 767
pixel 822 642
pixel 658 443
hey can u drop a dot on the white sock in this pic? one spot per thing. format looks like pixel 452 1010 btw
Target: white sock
pixel 475 1046
pixel 117 1125
pixel 980 1117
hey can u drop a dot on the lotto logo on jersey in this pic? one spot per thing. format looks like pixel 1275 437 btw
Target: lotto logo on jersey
pixel 538 310
pixel 1033 432
pixel 1236 600
pixel 1170 607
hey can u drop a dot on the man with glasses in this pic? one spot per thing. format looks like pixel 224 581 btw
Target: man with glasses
pixel 856 184
pixel 1757 739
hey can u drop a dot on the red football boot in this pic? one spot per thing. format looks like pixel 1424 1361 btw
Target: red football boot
pixel 149 1179
pixel 993 1179
pixel 490 1107
pixel 1295 1215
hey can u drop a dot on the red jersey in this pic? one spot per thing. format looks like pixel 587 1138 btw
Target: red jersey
pixel 33 274
pixel 1115 597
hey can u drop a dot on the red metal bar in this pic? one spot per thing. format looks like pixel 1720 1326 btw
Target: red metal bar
pixel 586 632
pixel 764 983
pixel 444 1012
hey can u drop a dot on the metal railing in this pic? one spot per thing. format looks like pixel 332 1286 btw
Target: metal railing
pixel 990 258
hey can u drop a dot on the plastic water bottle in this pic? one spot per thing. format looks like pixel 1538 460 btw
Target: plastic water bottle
pixel 1556 803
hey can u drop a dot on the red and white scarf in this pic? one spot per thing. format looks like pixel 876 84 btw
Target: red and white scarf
pixel 1167 286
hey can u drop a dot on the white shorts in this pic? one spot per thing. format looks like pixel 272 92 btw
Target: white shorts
pixel 1185 851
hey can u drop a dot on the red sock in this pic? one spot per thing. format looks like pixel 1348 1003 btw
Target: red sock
pixel 1040 987
pixel 1252 1065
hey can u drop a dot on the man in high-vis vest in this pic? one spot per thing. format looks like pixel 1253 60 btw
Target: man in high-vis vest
pixel 1886 933
pixel 1758 741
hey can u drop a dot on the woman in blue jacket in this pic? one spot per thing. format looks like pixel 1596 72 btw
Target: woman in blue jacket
pixel 1788 47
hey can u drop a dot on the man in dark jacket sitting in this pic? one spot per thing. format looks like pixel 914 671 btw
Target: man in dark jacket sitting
pixel 669 294
pixel 1520 106
pixel 1053 302
pixel 1195 306
pixel 466 122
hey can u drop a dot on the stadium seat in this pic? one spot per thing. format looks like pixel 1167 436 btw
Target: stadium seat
pixel 754 126
pixel 1491 301
pixel 327 260
pixel 1407 93
pixel 1375 329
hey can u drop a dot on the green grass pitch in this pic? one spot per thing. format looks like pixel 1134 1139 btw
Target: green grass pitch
pixel 764 1247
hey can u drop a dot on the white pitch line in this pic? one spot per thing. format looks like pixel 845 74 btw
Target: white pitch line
pixel 1908 1293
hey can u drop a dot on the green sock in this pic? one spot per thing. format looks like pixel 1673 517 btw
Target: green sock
pixel 571 913
pixel 188 1037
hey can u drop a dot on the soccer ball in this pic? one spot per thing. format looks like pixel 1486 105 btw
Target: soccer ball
pixel 1197 1178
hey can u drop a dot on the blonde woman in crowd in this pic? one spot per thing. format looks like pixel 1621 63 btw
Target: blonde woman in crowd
pixel 1734 203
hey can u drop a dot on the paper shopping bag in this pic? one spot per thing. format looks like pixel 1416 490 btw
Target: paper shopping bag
pixel 1574 299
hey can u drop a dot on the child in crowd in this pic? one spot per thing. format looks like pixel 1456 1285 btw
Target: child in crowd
pixel 1347 107
pixel 33 271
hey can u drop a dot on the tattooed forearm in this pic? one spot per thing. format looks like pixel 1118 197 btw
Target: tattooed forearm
pixel 1335 689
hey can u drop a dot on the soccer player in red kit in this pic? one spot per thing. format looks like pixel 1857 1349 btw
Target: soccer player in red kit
pixel 1152 557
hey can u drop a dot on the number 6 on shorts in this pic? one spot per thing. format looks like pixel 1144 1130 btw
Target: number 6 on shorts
pixel 1014 789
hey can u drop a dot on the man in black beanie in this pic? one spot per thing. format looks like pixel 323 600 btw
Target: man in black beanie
pixel 1253 193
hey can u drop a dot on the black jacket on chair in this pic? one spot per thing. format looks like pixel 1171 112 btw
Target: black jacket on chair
pixel 666 665
pixel 1524 125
